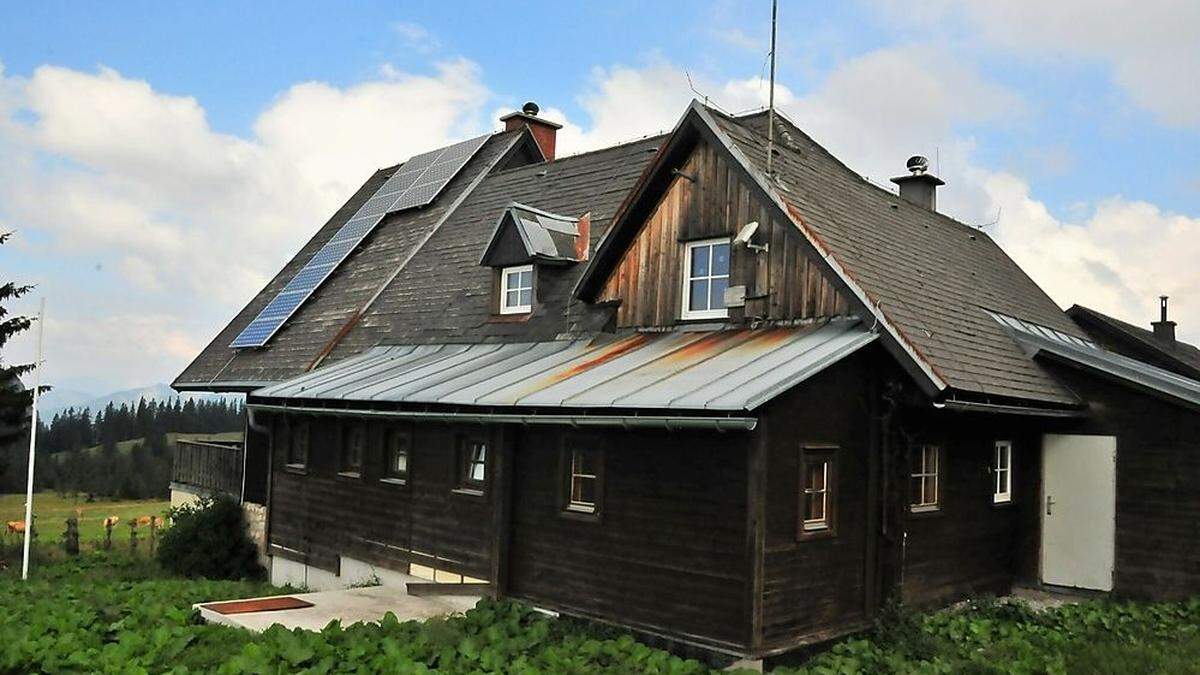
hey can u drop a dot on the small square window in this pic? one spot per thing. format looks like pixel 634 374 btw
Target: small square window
pixel 925 487
pixel 397 448
pixel 516 290
pixel 582 479
pixel 706 276
pixel 354 444
pixel 473 457
pixel 1002 473
pixel 818 492
pixel 297 445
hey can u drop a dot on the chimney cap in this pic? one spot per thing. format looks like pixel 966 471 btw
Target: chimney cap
pixel 529 112
pixel 917 164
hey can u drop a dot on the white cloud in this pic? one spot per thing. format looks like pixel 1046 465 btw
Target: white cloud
pixel 625 102
pixel 416 36
pixel 1117 259
pixel 104 170
pixel 1150 46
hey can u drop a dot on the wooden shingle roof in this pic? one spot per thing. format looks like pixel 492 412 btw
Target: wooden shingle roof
pixel 928 275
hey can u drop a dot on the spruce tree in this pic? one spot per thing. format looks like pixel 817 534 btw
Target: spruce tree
pixel 15 400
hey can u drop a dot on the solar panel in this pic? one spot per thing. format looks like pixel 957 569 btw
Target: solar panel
pixel 416 183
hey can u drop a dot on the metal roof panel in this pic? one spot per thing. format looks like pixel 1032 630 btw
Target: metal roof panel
pixel 713 370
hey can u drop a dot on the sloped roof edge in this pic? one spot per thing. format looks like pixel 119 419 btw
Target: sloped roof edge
pixel 1040 340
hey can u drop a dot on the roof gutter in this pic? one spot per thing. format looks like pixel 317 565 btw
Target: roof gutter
pixel 1002 409
pixel 669 422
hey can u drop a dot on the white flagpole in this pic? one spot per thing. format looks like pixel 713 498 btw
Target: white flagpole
pixel 33 427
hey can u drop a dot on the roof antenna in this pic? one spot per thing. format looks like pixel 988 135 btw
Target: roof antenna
pixel 693 87
pixel 999 212
pixel 771 94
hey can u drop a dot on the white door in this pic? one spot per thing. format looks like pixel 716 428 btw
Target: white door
pixel 1079 498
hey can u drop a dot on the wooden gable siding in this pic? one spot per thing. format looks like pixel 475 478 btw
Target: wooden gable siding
pixel 711 199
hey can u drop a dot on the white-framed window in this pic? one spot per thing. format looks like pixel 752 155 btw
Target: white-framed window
pixel 516 289
pixel 1002 472
pixel 925 488
pixel 582 486
pixel 816 496
pixel 706 276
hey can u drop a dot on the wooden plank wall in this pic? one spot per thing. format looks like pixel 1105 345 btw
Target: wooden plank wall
pixel 1158 486
pixel 818 587
pixel 970 545
pixel 648 280
pixel 324 515
pixel 668 553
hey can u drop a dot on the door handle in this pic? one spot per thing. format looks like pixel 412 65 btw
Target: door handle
pixel 1049 505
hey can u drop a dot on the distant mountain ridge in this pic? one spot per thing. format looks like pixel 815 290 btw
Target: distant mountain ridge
pixel 55 401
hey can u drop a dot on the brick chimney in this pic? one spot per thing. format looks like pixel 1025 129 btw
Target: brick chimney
pixel 919 187
pixel 544 131
pixel 1164 330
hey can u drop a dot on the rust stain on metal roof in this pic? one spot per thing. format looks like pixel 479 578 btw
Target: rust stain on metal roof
pixel 609 353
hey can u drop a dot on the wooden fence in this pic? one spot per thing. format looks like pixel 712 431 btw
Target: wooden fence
pixel 209 465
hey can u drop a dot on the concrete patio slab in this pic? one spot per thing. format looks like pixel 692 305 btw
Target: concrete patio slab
pixel 351 605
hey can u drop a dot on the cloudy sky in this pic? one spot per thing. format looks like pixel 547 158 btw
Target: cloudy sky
pixel 159 166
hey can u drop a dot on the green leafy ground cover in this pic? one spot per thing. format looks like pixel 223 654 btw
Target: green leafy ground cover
pixel 110 612
pixel 1098 637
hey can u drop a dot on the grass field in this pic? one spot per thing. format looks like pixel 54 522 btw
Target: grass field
pixel 52 511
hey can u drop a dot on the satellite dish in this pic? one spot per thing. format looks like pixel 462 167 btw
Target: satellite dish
pixel 746 233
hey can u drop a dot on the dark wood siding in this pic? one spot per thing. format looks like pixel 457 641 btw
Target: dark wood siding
pixel 969 545
pixel 818 586
pixel 668 553
pixel 710 199
pixel 323 515
pixel 1158 486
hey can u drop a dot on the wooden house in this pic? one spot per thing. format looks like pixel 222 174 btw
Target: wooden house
pixel 706 385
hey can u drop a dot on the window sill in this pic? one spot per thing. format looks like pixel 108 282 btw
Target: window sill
pixel 510 318
pixel 581 514
pixel 394 481
pixel 924 511
pixel 298 469
pixel 720 317
pixel 355 475
pixel 810 535
pixel 467 491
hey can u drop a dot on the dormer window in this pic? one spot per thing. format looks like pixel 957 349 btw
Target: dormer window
pixel 526 239
pixel 516 289
pixel 705 279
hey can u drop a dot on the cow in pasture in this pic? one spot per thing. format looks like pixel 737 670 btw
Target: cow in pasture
pixel 16 527
pixel 111 521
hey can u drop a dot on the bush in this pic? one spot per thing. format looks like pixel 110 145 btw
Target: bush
pixel 208 539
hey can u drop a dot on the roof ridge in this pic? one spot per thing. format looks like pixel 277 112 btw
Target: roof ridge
pixel 586 153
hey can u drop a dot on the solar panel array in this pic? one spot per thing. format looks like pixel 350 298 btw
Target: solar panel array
pixel 417 183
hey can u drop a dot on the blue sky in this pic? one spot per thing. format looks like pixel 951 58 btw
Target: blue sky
pixel 162 163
